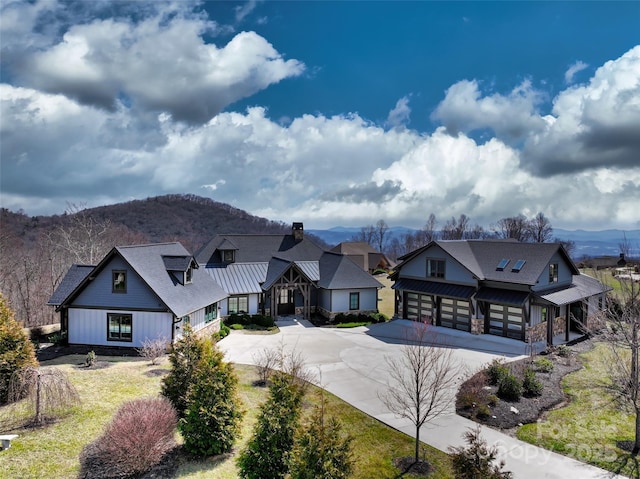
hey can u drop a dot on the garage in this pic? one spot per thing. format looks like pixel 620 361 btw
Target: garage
pixel 505 320
pixel 419 307
pixel 455 314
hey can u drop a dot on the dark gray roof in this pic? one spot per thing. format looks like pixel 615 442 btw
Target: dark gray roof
pixel 339 272
pixel 582 287
pixel 481 258
pixel 76 274
pixel 432 287
pixel 278 266
pixel 178 263
pixel 259 248
pixel 147 261
pixel 505 296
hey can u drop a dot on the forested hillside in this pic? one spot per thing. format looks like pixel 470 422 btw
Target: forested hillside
pixel 35 252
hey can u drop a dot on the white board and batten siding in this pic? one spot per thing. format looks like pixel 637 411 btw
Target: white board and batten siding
pixel 89 326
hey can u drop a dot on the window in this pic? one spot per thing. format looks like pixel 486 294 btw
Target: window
pixel 186 320
pixel 119 327
pixel 188 276
pixel 119 283
pixel 227 256
pixel 238 304
pixel 553 273
pixel 210 312
pixel 545 314
pixel 354 301
pixel 435 268
pixel 518 266
pixel 502 264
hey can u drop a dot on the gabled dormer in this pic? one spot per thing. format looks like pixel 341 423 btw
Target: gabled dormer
pixel 180 268
pixel 227 251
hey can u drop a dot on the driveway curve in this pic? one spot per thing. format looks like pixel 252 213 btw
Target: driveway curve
pixel 352 364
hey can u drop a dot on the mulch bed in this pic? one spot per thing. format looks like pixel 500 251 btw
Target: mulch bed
pixel 529 409
pixel 409 465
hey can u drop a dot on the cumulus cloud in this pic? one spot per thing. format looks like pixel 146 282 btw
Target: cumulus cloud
pixel 112 61
pixel 401 113
pixel 511 116
pixel 574 69
pixel 591 126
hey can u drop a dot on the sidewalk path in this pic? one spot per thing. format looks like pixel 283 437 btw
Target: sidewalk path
pixel 351 363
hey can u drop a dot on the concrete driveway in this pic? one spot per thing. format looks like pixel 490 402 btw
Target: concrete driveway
pixel 351 363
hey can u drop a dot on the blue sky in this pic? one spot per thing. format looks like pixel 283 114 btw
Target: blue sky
pixel 331 113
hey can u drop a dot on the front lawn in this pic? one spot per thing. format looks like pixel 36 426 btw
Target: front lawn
pixel 590 426
pixel 53 451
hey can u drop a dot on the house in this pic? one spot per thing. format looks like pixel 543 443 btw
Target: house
pixel 137 293
pixel 279 275
pixel 525 291
pixel 364 255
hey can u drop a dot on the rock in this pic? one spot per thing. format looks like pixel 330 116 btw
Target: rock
pixel 514 410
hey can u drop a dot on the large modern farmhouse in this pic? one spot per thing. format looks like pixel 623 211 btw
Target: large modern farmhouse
pixel 287 274
pixel 525 291
pixel 145 292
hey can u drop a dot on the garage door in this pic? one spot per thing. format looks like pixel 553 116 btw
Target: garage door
pixel 506 321
pixel 419 307
pixel 455 314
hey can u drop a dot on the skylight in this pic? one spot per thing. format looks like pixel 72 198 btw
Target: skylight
pixel 502 264
pixel 518 266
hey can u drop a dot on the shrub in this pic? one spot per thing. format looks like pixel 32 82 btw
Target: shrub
pixel 235 318
pixel 184 357
pixel 496 371
pixel 477 460
pixel 139 435
pixel 212 417
pixel 544 365
pixel 223 333
pixel 563 351
pixel 16 350
pixel 322 450
pixel 483 411
pixel 510 388
pixel 264 321
pixel 59 338
pixel 153 349
pixel 531 385
pixel 472 392
pixel 236 326
pixel 266 454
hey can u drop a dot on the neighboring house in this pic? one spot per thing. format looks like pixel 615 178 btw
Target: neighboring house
pixel 137 293
pixel 364 255
pixel 280 275
pixel 525 291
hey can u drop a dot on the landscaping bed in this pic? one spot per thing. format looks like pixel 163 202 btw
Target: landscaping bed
pixel 479 400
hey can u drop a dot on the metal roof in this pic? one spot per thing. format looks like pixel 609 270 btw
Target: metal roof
pixel 504 296
pixel 240 278
pixel 432 287
pixel 582 287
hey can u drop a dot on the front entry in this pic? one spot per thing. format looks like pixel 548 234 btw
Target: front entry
pixel 286 303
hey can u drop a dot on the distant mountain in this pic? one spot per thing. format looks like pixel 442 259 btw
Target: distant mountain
pixel 589 243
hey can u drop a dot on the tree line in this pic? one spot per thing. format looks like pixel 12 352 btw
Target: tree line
pixel 537 229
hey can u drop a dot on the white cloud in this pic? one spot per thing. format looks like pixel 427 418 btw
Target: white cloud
pixel 401 113
pixel 105 62
pixel 511 116
pixel 243 10
pixel 574 69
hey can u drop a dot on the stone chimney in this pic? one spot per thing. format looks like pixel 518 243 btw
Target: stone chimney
pixel 297 231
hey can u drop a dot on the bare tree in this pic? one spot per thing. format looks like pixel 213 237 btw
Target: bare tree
pixel 428 232
pixel 367 235
pixel 516 227
pixel 540 229
pixel 422 380
pixel 621 334
pixel 625 246
pixel 380 235
pixel 48 391
pixel 455 229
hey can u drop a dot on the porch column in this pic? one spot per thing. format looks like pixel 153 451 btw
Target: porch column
pixel 550 313
pixel 568 322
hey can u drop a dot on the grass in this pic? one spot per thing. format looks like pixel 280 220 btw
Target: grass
pixel 53 451
pixel 589 427
pixel 386 296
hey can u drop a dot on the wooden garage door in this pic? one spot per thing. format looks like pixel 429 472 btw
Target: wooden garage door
pixel 419 307
pixel 455 314
pixel 506 321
